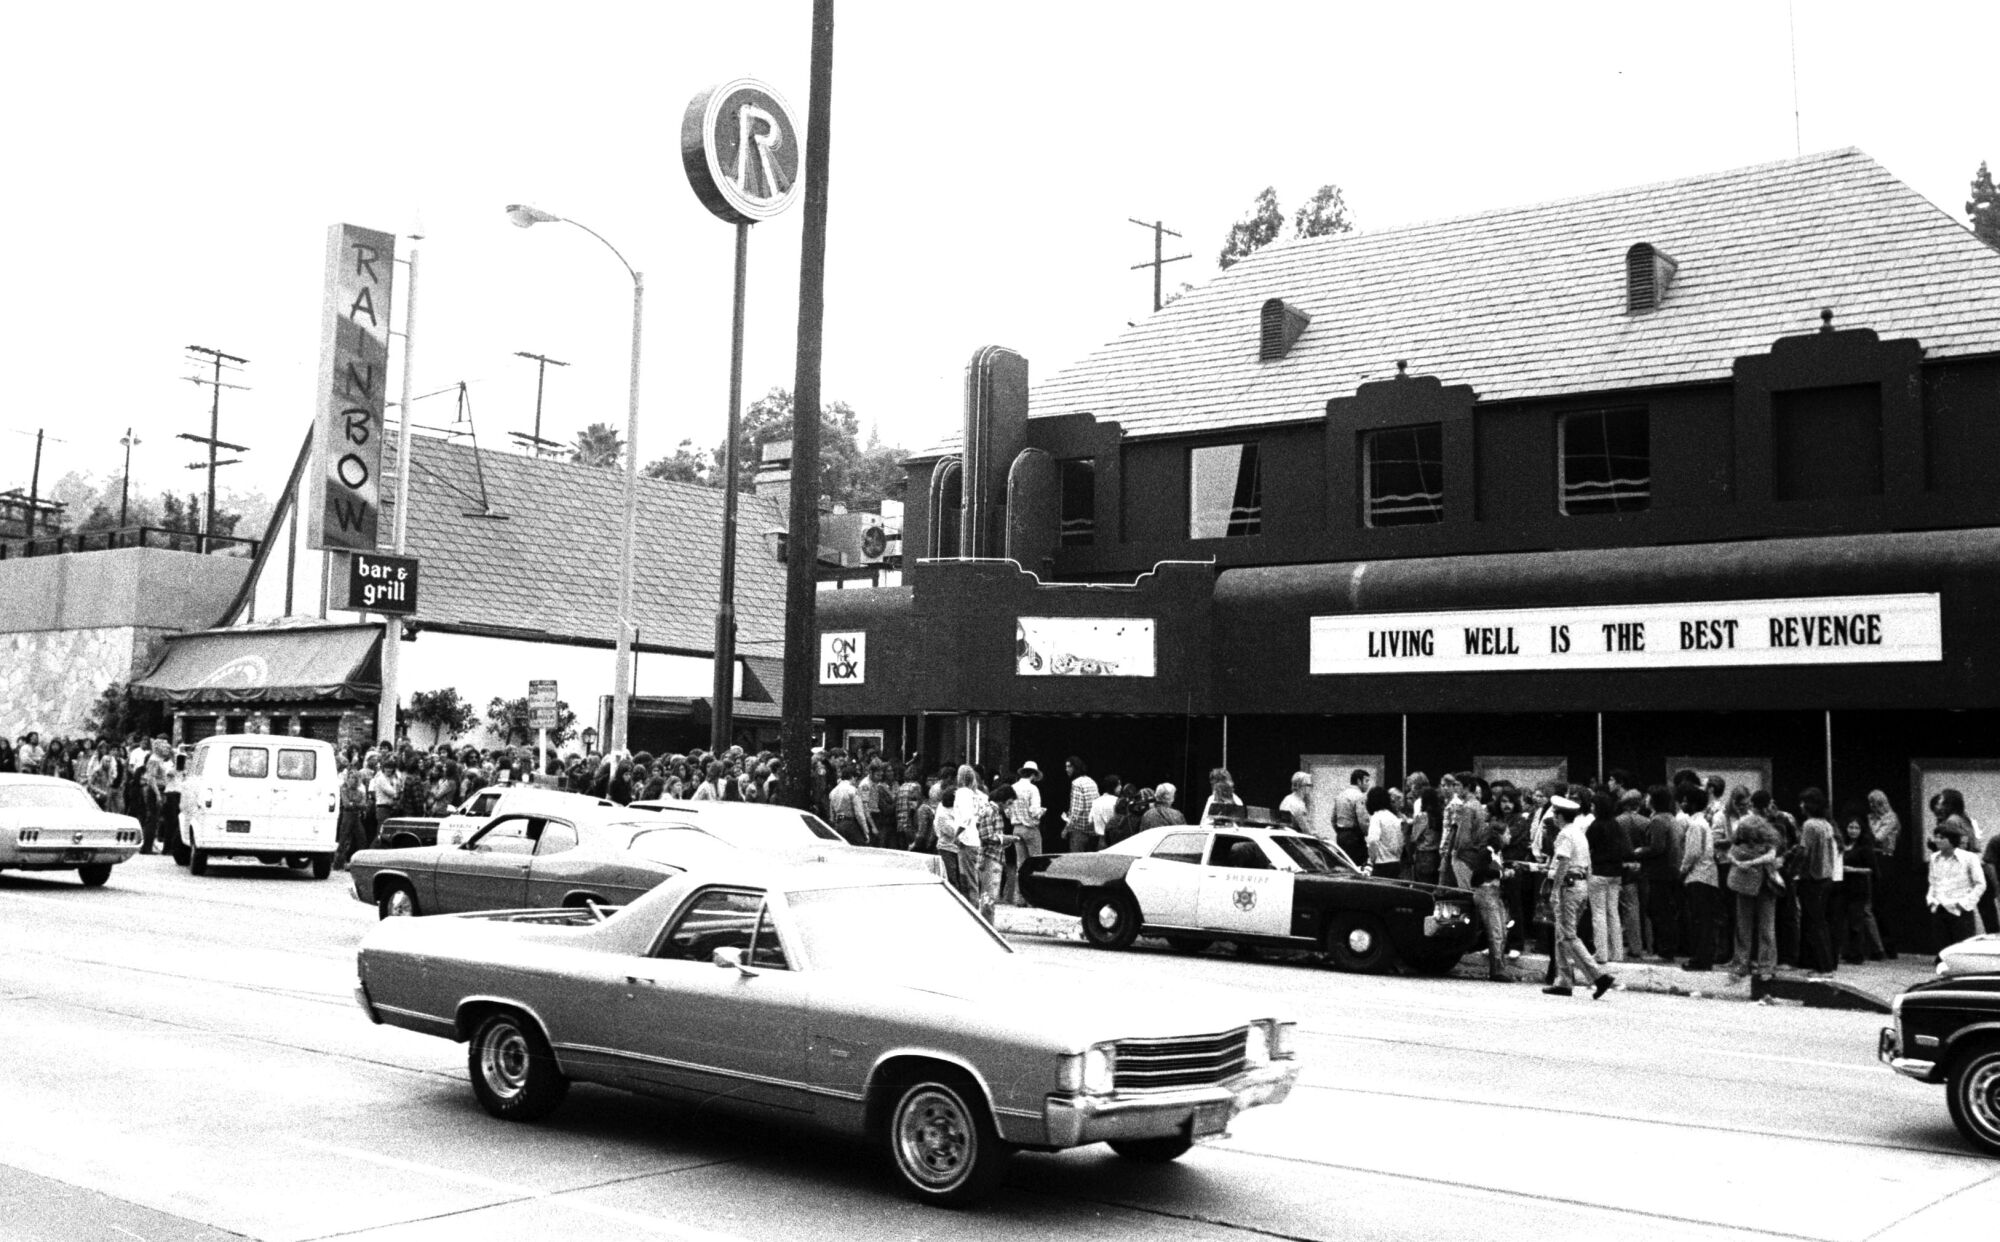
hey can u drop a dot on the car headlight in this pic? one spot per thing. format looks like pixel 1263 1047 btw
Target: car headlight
pixel 1100 1070
pixel 1282 1035
pixel 1257 1044
pixel 1447 911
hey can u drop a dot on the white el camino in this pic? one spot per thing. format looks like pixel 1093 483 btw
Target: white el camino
pixel 871 1003
pixel 50 824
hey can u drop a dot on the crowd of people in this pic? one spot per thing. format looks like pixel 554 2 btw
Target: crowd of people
pixel 1694 872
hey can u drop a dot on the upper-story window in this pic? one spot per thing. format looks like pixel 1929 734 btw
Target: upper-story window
pixel 1402 475
pixel 1079 501
pixel 1826 442
pixel 1607 462
pixel 1225 491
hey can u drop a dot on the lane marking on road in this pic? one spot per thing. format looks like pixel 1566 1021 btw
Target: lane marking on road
pixel 1678 1123
pixel 1941 1200
pixel 1502 1192
pixel 514 1197
pixel 1873 1071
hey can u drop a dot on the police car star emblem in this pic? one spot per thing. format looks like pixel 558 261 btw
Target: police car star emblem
pixel 1246 899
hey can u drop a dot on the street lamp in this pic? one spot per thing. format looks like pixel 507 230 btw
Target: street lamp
pixel 525 216
pixel 125 484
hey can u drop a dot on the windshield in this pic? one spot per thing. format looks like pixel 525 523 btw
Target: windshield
pixel 60 797
pixel 1315 856
pixel 896 925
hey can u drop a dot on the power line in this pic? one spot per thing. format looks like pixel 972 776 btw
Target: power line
pixel 217 358
pixel 535 443
pixel 1160 233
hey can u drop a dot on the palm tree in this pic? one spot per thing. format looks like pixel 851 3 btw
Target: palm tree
pixel 598 445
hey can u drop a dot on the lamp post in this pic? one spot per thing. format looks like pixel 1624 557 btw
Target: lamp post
pixel 621 690
pixel 125 484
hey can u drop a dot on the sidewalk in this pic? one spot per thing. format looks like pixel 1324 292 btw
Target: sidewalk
pixel 1867 986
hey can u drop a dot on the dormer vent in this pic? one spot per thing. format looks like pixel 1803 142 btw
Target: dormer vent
pixel 1279 328
pixel 1648 273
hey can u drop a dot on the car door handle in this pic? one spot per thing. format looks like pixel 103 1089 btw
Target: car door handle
pixel 640 981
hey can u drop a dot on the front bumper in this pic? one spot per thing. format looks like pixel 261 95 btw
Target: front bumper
pixel 1195 1112
pixel 1888 1050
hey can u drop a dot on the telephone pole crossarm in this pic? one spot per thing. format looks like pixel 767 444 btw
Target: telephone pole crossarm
pixel 1160 233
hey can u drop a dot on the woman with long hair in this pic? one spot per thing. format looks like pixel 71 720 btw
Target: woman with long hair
pixel 1859 934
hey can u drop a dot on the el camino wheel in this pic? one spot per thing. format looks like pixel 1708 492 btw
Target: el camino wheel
pixel 1153 1150
pixel 397 902
pixel 95 874
pixel 513 1072
pixel 943 1144
pixel 1359 943
pixel 1972 1091
pixel 1110 920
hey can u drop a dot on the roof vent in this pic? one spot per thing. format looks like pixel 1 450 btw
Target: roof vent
pixel 1279 328
pixel 1648 273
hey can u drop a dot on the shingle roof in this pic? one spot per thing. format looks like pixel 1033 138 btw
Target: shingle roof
pixel 1530 301
pixel 552 564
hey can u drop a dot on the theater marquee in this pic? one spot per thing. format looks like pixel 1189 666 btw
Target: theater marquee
pixel 1857 629
pixel 1083 646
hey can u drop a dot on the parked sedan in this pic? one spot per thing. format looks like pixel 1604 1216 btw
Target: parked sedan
pixel 50 824
pixel 865 1001
pixel 530 859
pixel 1195 885
pixel 1948 1031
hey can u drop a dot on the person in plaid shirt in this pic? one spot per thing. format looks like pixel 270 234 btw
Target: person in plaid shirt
pixel 909 795
pixel 1077 832
pixel 992 824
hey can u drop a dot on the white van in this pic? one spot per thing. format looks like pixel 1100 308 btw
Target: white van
pixel 271 797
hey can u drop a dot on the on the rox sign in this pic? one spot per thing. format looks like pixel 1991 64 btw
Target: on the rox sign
pixel 353 377
pixel 740 147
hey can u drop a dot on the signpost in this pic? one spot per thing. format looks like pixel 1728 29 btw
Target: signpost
pixel 543 706
pixel 740 147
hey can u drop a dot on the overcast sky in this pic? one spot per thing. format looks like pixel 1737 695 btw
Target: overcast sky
pixel 175 168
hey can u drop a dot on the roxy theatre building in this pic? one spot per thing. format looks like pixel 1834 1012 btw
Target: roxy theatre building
pixel 1697 474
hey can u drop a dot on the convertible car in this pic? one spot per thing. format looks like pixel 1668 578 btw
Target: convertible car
pixel 1948 1031
pixel 1196 885
pixel 866 1001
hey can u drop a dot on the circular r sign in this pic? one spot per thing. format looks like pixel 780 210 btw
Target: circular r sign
pixel 740 147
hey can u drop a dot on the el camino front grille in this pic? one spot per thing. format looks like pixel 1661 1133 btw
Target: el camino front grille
pixel 1189 1061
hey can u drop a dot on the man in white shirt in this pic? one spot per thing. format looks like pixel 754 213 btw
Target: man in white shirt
pixel 1026 811
pixel 1103 808
pixel 1296 810
pixel 1570 877
pixel 1350 814
pixel 1957 883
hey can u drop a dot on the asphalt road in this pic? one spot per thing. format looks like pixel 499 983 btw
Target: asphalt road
pixel 184 1061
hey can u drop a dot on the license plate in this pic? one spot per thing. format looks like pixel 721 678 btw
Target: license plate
pixel 1210 1119
pixel 77 856
pixel 237 825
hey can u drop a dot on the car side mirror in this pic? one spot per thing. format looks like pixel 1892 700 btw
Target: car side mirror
pixel 733 958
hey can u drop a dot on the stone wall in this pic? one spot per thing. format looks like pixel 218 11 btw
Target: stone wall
pixel 50 680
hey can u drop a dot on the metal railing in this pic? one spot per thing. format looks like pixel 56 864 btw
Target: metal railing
pixel 129 537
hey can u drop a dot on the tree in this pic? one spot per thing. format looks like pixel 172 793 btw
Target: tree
pixel 507 719
pixel 598 445
pixel 1984 209
pixel 1325 212
pixel 1257 229
pixel 117 714
pixel 688 465
pixel 443 711
pixel 186 518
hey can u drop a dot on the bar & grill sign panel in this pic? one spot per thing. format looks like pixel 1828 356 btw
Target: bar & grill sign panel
pixel 1854 629
pixel 385 584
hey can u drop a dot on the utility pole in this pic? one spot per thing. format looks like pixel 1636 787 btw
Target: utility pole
pixel 35 484
pixel 214 430
pixel 125 484
pixel 542 363
pixel 1160 233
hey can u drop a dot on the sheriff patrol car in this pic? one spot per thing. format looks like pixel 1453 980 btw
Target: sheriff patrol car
pixel 1195 885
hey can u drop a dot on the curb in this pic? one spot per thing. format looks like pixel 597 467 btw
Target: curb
pixel 1806 991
